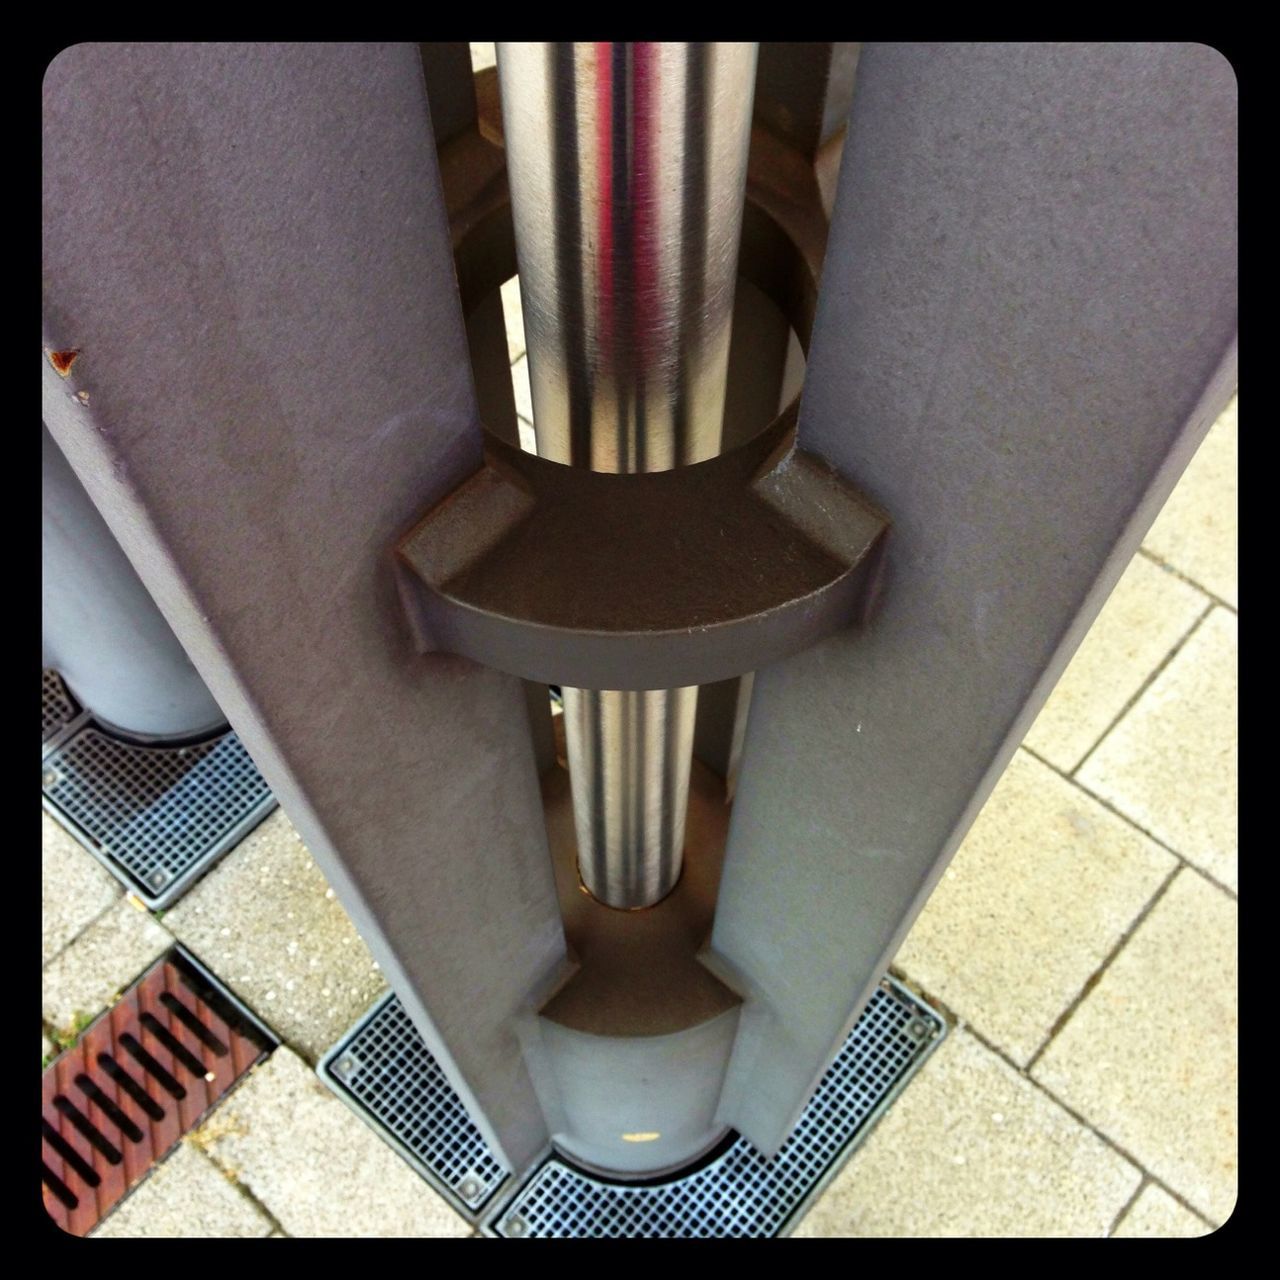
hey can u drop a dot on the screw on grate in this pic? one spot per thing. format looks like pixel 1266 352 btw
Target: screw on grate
pixel 737 1192
pixel 156 815
pixel 138 1079
pixel 382 1068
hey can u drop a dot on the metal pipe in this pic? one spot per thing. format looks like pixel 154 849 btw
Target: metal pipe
pixel 627 165
pixel 102 630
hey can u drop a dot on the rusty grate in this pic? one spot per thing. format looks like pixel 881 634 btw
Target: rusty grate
pixel 146 1072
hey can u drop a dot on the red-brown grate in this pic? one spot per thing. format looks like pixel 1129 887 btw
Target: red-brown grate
pixel 146 1072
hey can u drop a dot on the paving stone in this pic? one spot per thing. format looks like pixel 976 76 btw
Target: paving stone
pixel 102 961
pixel 1044 886
pixel 523 393
pixel 1196 531
pixel 1170 763
pixel 513 313
pixel 1155 1214
pixel 187 1196
pixel 971 1148
pixel 1148 613
pixel 267 923
pixel 316 1167
pixel 1149 1057
pixel 74 889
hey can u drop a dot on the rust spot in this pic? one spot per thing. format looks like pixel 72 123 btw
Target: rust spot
pixel 63 360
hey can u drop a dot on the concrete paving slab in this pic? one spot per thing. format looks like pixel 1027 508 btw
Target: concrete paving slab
pixel 74 888
pixel 1170 764
pixel 971 1148
pixel 1044 886
pixel 1148 613
pixel 1156 1215
pixel 1149 1057
pixel 269 926
pixel 1196 532
pixel 81 981
pixel 186 1196
pixel 315 1166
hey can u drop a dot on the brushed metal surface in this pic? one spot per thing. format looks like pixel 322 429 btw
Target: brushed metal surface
pixel 627 164
pixel 629 754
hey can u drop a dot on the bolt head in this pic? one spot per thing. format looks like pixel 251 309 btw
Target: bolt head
pixel 469 1188
pixel 49 778
pixel 516 1225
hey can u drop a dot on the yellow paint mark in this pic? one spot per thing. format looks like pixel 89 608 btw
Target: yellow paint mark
pixel 640 1137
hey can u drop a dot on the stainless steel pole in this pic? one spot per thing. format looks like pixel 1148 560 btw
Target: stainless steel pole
pixel 627 164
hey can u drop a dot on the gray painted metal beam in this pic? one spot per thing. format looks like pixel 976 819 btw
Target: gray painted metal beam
pixel 249 245
pixel 1026 326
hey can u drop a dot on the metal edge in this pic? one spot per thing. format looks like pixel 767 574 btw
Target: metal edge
pixel 510 1192
pixel 61 736
pixel 232 999
pixel 334 1083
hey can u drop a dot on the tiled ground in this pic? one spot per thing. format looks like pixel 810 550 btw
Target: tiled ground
pixel 1084 940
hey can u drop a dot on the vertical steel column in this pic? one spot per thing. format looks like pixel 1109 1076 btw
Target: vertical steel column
pixel 627 165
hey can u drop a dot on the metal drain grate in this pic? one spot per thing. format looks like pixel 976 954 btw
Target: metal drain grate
pixel 58 709
pixel 740 1193
pixel 146 1072
pixel 156 816
pixel 384 1071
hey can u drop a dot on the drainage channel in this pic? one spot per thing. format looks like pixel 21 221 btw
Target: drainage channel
pixel 157 817
pixel 145 1073
pixel 384 1071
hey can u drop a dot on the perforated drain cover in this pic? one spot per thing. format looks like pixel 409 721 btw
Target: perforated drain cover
pixel 383 1069
pixel 156 816
pixel 146 1072
pixel 740 1193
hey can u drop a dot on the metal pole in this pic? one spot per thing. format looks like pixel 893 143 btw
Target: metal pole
pixel 102 630
pixel 627 165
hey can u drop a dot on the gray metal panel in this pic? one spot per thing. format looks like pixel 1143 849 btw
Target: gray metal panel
pixel 249 245
pixel 1026 326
